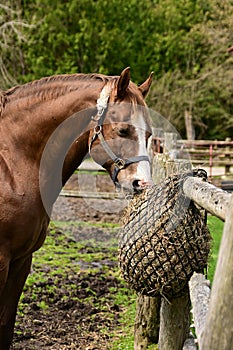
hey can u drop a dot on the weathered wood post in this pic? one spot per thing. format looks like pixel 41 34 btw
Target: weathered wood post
pixel 175 313
pixel 146 326
pixel 218 332
pixel 199 289
pixel 171 322
pixel 227 151
pixel 157 317
pixel 174 322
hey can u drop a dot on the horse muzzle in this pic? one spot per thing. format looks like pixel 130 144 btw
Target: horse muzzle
pixel 131 183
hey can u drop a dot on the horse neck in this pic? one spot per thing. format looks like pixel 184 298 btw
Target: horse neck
pixel 36 120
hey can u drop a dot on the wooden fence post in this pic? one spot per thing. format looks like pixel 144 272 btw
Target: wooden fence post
pixel 227 166
pixel 147 320
pixel 219 324
pixel 169 324
pixel 174 314
pixel 199 289
pixel 174 322
pixel 146 327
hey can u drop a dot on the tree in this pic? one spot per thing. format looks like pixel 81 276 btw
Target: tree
pixel 184 42
pixel 204 86
pixel 12 35
pixel 90 36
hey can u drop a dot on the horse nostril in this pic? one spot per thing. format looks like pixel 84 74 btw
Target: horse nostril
pixel 139 185
pixel 136 184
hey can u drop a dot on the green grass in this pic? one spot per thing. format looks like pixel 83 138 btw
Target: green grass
pixel 216 228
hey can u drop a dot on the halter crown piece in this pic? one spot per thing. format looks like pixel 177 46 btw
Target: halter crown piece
pixel 102 102
pixel 101 106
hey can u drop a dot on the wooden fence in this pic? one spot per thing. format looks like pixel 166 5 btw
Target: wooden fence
pixel 203 153
pixel 208 154
pixel 168 323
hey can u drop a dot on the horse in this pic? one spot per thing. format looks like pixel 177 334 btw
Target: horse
pixel 47 127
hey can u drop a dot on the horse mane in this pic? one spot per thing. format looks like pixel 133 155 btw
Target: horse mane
pixel 53 86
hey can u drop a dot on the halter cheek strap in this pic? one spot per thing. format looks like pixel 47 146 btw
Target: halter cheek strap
pixel 119 163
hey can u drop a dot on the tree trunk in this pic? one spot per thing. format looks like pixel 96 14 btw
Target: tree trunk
pixel 190 132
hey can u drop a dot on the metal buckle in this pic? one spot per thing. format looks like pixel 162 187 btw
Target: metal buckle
pixel 120 163
pixel 100 111
pixel 97 129
pixel 95 118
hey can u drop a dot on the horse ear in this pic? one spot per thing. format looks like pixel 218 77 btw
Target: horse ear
pixel 123 82
pixel 145 87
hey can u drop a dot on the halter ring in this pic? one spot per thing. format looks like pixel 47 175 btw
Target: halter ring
pixel 120 163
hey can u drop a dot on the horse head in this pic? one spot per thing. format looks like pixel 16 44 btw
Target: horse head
pixel 120 131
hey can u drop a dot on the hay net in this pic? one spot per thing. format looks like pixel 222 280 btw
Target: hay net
pixel 164 239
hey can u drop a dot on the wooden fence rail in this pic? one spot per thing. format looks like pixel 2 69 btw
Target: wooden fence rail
pixel 200 152
pixel 208 196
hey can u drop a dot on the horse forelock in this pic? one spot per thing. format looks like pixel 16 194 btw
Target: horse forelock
pixel 133 97
pixel 138 104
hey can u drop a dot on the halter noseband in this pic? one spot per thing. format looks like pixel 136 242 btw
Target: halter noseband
pixel 101 105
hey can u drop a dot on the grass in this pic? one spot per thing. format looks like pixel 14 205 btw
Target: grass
pixel 216 228
pixel 59 256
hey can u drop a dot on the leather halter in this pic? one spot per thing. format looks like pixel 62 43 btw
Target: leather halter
pixel 119 163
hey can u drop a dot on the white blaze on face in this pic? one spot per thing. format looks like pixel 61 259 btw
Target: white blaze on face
pixel 143 173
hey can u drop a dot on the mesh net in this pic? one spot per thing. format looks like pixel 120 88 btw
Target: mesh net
pixel 164 239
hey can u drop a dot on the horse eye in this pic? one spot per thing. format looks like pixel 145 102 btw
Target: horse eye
pixel 123 132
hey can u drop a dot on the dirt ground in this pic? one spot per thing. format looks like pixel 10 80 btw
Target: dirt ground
pixel 77 320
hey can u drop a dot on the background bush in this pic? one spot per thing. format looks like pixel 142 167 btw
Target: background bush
pixel 183 41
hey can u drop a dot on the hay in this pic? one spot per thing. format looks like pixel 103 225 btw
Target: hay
pixel 164 239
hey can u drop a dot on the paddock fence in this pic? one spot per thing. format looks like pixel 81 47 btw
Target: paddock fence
pixel 206 153
pixel 215 156
pixel 168 322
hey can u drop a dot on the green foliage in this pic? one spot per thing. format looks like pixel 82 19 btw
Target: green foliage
pixel 13 31
pixel 201 81
pixel 184 42
pixel 89 36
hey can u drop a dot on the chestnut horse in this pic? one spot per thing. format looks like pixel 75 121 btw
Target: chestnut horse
pixel 46 129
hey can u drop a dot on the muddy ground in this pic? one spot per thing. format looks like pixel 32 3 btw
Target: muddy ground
pixel 84 317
